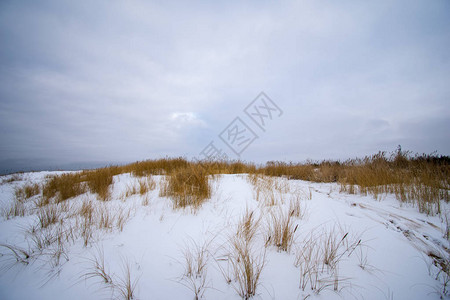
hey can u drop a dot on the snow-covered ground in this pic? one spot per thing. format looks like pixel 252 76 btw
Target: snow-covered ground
pixel 383 251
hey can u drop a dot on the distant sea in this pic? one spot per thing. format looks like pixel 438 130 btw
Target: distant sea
pixel 29 165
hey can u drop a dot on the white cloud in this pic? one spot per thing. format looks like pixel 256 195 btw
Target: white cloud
pixel 182 119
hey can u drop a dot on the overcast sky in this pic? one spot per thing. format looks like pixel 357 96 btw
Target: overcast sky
pixel 118 81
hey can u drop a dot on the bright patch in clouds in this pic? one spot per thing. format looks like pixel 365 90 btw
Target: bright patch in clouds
pixel 186 118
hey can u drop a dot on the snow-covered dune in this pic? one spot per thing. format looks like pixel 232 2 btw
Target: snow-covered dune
pixel 382 249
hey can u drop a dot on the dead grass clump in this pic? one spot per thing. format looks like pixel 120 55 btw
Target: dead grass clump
pixel 16 254
pixel 104 218
pixel 87 210
pixel 123 287
pixel 15 209
pixel 98 268
pixel 319 256
pixel 86 231
pixel 281 229
pixel 308 259
pixel 27 191
pixel 291 170
pixel 226 166
pixel 131 190
pixel 247 266
pixel 63 187
pixel 446 222
pixel 248 226
pixel 145 201
pixel 126 285
pixel 48 215
pixel 146 185
pixel 423 180
pixel 156 167
pixel 11 178
pixel 121 218
pixel 42 238
pixel 196 257
pixel 18 207
pixel 295 206
pixel 440 270
pixel 331 243
pixel 87 219
pixel 99 181
pixel 267 190
pixel 187 187
pixel 70 185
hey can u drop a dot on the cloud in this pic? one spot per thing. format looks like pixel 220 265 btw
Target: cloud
pixel 186 119
pixel 143 80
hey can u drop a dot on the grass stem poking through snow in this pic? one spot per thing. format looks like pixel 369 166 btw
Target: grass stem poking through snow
pixel 196 257
pixel 247 266
pixel 281 229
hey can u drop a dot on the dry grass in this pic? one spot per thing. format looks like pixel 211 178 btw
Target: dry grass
pixel 18 254
pixel 85 221
pixel 124 287
pixel 42 239
pixel 446 223
pixel 145 201
pixel 63 187
pixel 244 262
pixel 70 185
pixel 105 218
pixel 57 226
pixel 146 185
pixel 99 180
pixel 248 226
pixel 197 285
pixel 295 206
pixel 308 261
pixel 440 270
pixel 131 190
pixel 196 257
pixel 87 209
pixel 247 265
pixel 60 223
pixel 156 167
pixel 98 268
pixel 142 186
pixel 319 256
pixel 11 178
pixel 18 207
pixel 281 229
pixel 421 179
pixel 121 218
pixel 187 187
pixel 15 209
pixel 331 245
pixel 28 190
pixel 267 190
pixel 48 215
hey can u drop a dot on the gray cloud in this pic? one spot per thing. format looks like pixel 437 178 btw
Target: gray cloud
pixel 122 81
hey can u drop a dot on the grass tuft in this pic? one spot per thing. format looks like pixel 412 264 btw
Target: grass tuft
pixel 247 266
pixel 281 229
pixel 187 187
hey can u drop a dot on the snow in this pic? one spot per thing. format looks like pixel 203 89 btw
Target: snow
pixel 394 238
